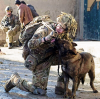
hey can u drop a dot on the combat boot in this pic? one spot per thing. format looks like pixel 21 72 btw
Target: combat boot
pixel 15 78
pixel 59 89
pixel 9 45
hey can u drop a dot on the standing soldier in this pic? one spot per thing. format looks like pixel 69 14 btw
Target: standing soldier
pixel 10 24
pixel 38 39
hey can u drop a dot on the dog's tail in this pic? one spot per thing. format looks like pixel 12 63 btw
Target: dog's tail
pixel 83 79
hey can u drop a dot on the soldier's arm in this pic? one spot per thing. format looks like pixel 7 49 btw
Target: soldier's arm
pixel 36 40
pixel 40 38
pixel 3 21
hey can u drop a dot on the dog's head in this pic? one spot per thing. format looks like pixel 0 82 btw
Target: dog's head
pixel 67 48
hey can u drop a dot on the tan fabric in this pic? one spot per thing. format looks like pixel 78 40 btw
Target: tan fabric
pixel 11 33
pixel 25 14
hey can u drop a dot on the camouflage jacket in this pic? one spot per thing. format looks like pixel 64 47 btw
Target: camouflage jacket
pixel 10 22
pixel 35 43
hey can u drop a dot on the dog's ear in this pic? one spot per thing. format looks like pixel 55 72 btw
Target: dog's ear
pixel 74 44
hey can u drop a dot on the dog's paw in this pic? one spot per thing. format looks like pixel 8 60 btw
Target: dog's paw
pixel 95 91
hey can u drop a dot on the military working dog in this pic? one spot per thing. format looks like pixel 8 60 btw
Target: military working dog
pixel 75 66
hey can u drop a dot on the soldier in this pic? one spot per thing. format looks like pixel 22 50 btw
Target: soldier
pixel 38 52
pixel 10 24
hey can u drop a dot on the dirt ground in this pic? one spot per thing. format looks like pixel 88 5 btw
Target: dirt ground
pixel 11 61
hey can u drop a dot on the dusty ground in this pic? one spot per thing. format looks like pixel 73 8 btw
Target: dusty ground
pixel 12 61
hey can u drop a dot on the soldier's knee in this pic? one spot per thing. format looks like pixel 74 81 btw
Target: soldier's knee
pixel 9 32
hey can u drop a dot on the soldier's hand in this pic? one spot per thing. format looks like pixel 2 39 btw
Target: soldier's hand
pixel 50 38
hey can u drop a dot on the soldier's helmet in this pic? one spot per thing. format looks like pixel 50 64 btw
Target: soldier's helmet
pixel 65 19
pixel 68 22
pixel 8 8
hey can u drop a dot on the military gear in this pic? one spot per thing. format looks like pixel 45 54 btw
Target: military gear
pixel 28 32
pixel 10 46
pixel 8 8
pixel 60 91
pixel 69 22
pixel 15 80
pixel 11 83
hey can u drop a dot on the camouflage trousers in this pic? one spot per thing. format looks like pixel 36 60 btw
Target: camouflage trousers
pixel 40 74
pixel 10 33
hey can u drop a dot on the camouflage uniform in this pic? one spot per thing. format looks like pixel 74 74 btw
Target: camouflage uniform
pixel 34 53
pixel 11 26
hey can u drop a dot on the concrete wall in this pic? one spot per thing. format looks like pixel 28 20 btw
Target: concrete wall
pixel 49 7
